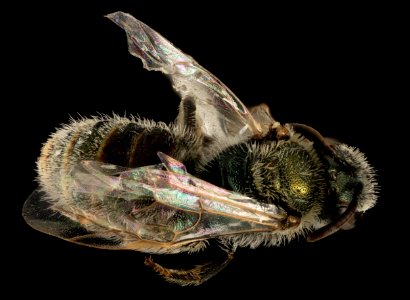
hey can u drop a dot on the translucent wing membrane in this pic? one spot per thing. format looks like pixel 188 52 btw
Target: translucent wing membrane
pixel 38 213
pixel 217 109
pixel 159 206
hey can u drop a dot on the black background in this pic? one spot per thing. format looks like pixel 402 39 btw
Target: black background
pixel 328 67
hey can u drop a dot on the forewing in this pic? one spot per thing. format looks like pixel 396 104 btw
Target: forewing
pixel 219 112
pixel 183 208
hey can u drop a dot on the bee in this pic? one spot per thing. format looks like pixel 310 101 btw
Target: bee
pixel 220 172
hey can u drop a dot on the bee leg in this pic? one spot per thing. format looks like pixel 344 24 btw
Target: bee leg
pixel 187 115
pixel 195 276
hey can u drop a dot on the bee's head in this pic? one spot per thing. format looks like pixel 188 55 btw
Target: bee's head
pixel 353 186
pixel 355 181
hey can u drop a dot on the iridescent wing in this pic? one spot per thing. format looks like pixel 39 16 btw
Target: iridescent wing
pixel 217 110
pixel 39 213
pixel 156 209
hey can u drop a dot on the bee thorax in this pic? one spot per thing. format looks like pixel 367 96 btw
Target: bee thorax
pixel 284 172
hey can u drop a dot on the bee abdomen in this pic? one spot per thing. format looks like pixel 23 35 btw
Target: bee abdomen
pixel 120 141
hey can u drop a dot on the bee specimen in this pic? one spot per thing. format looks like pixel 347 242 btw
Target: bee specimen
pixel 221 172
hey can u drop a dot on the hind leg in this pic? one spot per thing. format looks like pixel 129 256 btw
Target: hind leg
pixel 197 275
